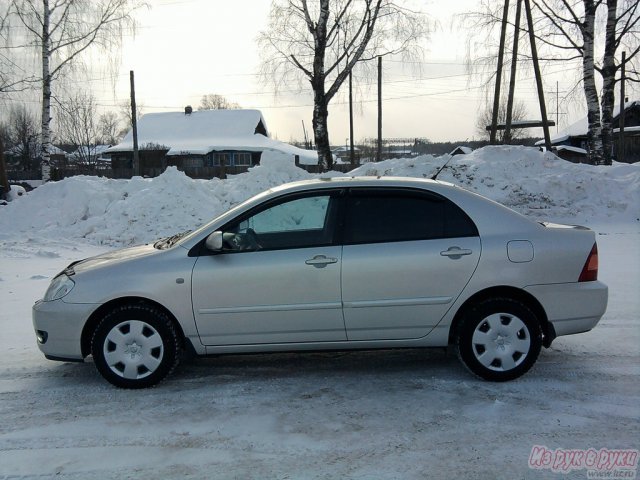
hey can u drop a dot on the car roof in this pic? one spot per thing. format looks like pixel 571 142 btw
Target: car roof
pixel 364 181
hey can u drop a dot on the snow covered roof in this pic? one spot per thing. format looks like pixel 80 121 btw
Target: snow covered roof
pixel 204 131
pixel 568 148
pixel 461 150
pixel 581 126
pixel 197 133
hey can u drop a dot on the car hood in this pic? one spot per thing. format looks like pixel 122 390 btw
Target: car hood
pixel 110 258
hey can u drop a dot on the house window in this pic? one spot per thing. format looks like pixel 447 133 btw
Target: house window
pixel 242 159
pixel 220 159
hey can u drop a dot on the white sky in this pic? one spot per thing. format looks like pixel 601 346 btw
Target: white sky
pixel 184 49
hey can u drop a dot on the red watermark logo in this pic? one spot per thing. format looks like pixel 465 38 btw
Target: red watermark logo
pixel 602 463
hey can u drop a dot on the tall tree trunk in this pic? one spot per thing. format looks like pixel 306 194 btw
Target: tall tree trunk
pixel 594 139
pixel 321 130
pixel 46 93
pixel 320 98
pixel 609 82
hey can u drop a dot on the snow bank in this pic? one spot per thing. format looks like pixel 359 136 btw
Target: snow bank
pixel 534 183
pixel 126 212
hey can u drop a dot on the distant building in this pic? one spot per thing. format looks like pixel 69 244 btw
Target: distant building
pixel 21 158
pixel 343 154
pixel 573 139
pixel 203 144
pixel 92 155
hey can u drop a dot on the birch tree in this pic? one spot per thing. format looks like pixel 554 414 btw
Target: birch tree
pixel 59 32
pixel 593 32
pixel 575 28
pixel 321 41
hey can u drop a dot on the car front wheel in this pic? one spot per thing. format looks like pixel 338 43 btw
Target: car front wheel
pixel 135 346
pixel 499 339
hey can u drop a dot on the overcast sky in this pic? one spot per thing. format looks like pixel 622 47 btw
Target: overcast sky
pixel 184 49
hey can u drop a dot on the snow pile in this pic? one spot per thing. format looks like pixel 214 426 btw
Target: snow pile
pixel 126 212
pixel 15 192
pixel 536 184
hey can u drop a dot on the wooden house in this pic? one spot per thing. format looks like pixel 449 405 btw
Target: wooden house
pixel 575 136
pixel 203 144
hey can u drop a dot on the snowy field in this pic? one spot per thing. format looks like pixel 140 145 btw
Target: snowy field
pixel 412 414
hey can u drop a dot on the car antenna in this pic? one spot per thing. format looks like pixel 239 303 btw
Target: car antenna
pixel 441 168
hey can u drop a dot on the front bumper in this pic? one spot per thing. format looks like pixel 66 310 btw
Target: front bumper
pixel 572 307
pixel 61 323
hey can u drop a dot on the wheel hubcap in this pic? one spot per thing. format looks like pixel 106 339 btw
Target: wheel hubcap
pixel 501 342
pixel 133 349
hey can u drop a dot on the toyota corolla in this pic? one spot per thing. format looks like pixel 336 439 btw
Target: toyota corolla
pixel 346 263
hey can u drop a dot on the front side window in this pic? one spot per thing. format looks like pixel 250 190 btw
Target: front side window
pixel 296 223
pixel 397 216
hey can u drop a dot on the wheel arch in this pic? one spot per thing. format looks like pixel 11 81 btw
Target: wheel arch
pixel 100 312
pixel 505 291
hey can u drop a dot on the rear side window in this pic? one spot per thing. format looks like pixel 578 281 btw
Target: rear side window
pixel 398 216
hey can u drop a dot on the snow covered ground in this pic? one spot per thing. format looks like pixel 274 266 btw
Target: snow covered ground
pixel 410 414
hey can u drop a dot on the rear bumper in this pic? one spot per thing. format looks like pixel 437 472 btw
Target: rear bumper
pixel 572 307
pixel 58 326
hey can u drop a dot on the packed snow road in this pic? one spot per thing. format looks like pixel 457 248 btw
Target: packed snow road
pixel 388 414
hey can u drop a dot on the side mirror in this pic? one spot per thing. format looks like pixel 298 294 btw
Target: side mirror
pixel 214 241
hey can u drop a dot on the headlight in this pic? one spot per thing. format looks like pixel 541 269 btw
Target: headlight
pixel 60 286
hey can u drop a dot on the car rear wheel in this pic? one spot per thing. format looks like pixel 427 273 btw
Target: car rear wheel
pixel 499 339
pixel 135 346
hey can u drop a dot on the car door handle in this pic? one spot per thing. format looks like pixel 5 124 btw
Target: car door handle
pixel 455 252
pixel 320 261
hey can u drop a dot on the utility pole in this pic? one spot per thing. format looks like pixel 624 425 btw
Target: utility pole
pixel 134 125
pixel 536 67
pixel 4 181
pixel 621 149
pixel 496 94
pixel 352 157
pixel 512 80
pixel 557 105
pixel 306 139
pixel 379 152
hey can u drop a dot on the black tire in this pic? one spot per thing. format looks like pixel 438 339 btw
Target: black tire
pixel 136 346
pixel 499 339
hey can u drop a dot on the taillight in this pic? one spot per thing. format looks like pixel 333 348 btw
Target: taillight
pixel 590 270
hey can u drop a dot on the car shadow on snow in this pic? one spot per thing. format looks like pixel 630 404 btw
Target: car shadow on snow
pixel 415 363
pixel 424 366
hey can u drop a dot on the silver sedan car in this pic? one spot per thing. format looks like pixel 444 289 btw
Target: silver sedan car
pixel 347 263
